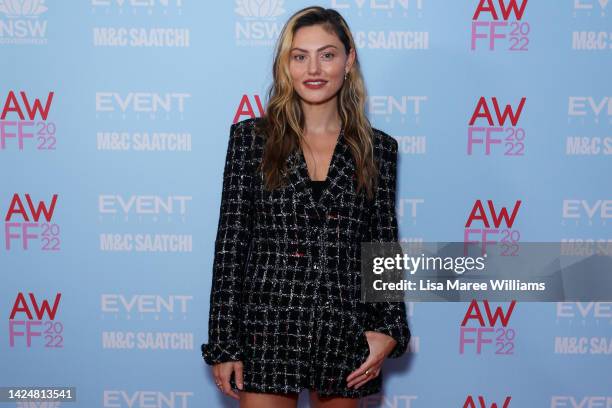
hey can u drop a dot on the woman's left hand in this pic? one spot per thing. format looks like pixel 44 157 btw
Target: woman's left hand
pixel 381 346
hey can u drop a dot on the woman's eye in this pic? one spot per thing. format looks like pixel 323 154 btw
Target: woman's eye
pixel 301 57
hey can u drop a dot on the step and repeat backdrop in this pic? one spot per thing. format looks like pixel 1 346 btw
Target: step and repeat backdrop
pixel 115 118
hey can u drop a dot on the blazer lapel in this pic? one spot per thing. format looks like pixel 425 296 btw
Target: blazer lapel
pixel 339 177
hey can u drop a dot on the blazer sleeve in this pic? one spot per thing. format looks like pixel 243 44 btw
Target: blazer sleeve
pixel 387 317
pixel 231 249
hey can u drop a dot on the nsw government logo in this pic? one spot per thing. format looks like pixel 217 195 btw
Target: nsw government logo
pixel 259 25
pixel 21 22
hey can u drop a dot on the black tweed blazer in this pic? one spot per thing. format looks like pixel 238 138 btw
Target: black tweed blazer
pixel 285 296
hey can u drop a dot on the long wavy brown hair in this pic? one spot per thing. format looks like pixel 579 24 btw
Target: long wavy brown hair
pixel 283 122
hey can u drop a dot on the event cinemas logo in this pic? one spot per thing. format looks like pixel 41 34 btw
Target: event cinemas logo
pixel 26 221
pixel 394 399
pixel 125 35
pixel 484 333
pixel 386 39
pixel 142 209
pixel 259 25
pixel 408 208
pixel 589 13
pixel 496 135
pixel 32 322
pixel 488 31
pixel 588 110
pixel 571 401
pixel 146 399
pixel 407 108
pixel 589 107
pixel 24 123
pixel 386 9
pixel 496 226
pixel 481 401
pixel 143 205
pixel 589 212
pixel 140 307
pixel 172 307
pixel 590 7
pixel 584 312
pixel 585 218
pixel 591 316
pixel 21 22
pixel 138 7
pixel 150 105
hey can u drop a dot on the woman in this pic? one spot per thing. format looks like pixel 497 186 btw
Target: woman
pixel 302 188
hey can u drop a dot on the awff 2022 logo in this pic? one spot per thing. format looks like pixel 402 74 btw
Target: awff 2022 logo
pixel 484 330
pixel 25 123
pixel 29 225
pixel 498 25
pixel 33 323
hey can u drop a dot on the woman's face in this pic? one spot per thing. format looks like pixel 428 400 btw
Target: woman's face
pixel 318 55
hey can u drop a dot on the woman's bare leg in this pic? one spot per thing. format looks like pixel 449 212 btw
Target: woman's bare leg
pixel 258 400
pixel 332 402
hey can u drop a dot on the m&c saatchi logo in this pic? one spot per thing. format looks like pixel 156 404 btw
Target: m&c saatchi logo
pixel 159 215
pixel 583 328
pixel 121 32
pixel 140 311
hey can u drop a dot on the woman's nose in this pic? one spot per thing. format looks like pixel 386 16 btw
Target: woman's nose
pixel 313 66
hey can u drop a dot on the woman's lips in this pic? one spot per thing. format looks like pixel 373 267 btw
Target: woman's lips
pixel 315 84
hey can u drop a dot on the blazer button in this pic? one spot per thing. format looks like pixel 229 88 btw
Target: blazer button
pixel 316 266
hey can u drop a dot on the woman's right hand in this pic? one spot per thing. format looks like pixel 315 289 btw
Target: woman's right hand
pixel 223 372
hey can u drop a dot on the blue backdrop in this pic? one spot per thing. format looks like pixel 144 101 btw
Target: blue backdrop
pixel 113 131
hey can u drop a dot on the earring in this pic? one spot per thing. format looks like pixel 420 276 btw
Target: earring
pixel 345 76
